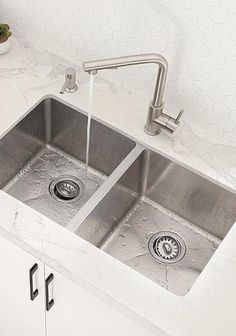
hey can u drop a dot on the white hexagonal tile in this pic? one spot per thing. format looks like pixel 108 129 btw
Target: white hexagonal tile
pixel 198 38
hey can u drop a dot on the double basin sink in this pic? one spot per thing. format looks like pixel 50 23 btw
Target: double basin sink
pixel 143 209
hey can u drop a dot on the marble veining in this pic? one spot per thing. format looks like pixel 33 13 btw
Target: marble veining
pixel 197 37
pixel 28 75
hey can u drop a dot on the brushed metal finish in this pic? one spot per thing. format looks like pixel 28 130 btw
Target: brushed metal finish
pixel 167 247
pixel 69 85
pixel 66 188
pixel 51 142
pixel 131 196
pixel 156 118
pixel 154 195
pixel 31 184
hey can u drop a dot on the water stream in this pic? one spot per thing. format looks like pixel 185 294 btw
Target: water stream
pixel 89 125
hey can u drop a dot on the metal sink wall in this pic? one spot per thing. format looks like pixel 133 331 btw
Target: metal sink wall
pixel 158 202
pixel 150 213
pixel 50 143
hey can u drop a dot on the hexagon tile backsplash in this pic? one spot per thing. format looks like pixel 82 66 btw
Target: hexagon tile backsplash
pixel 198 37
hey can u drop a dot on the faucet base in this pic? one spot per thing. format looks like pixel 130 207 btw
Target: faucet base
pixel 152 129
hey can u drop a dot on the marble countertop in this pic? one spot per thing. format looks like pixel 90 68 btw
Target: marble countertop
pixel 26 76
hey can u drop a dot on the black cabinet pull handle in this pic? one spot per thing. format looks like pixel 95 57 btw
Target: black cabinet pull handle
pixel 49 303
pixel 33 293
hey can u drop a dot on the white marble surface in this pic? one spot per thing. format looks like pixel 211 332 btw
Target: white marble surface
pixel 27 75
pixel 196 36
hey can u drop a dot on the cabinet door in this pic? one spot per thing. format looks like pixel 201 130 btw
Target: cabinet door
pixel 78 312
pixel 22 312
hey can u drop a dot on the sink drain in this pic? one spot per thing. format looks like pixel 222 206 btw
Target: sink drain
pixel 167 247
pixel 66 189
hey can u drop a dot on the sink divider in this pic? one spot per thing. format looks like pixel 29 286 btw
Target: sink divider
pixel 78 219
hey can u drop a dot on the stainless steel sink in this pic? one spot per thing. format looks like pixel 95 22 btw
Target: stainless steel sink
pixel 42 159
pixel 162 220
pixel 148 212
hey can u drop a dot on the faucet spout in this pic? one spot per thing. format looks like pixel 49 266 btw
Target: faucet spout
pixel 119 62
pixel 155 111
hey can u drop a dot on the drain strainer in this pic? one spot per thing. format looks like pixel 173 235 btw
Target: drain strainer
pixel 167 247
pixel 66 188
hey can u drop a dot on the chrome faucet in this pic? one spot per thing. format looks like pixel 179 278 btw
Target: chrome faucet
pixel 156 119
pixel 70 81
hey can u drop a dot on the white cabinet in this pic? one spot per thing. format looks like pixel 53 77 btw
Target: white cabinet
pixel 78 312
pixel 37 301
pixel 20 315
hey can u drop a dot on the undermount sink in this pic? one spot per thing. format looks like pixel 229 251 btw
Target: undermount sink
pixel 162 220
pixel 43 159
pixel 141 208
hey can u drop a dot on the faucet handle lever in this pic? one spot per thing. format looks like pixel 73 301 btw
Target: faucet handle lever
pixel 177 119
pixel 167 122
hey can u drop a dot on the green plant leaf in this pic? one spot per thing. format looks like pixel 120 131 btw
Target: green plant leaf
pixel 5 32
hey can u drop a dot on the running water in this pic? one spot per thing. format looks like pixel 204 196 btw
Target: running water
pixel 88 125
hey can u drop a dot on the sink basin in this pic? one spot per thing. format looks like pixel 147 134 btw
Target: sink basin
pixel 155 216
pixel 43 159
pixel 162 220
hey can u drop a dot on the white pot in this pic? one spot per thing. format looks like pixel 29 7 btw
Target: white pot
pixel 5 47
